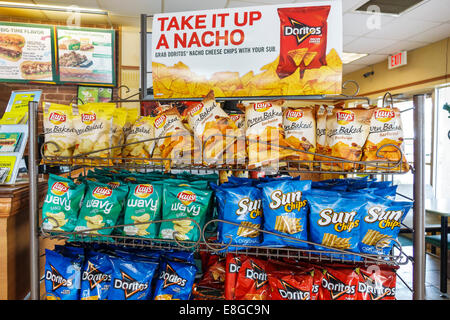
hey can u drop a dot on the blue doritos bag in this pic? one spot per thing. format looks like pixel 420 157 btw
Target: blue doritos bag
pixel 175 280
pixel 334 221
pixel 380 222
pixel 180 256
pixel 242 206
pixel 96 276
pixel 62 276
pixel 285 211
pixel 131 280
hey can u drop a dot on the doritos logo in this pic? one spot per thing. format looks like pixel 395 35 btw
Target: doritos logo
pixel 345 117
pixel 294 115
pixel 101 192
pixel 143 190
pixel 374 290
pixel 94 276
pixel 336 287
pixel 160 121
pixel 171 278
pixel 186 197
pixel 257 274
pixel 88 117
pixel 262 106
pixel 300 30
pixel 57 118
pixel 57 279
pixel 290 292
pixel 59 188
pixel 384 115
pixel 129 285
pixel 196 110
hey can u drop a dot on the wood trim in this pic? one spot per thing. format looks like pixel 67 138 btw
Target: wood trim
pixel 411 84
pixel 129 68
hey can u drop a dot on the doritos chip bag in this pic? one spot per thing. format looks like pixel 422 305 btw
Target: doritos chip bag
pixel 385 129
pixel 285 211
pixel 303 39
pixel 285 285
pixel 183 202
pixel 62 204
pixel 96 276
pixel 101 208
pixel 175 280
pixel 62 276
pixel 252 281
pixel 143 205
pixel 233 264
pixel 339 283
pixel 131 280
pixel 381 223
pixel 376 283
pixel 58 130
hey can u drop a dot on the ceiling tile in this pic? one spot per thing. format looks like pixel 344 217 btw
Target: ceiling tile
pixel 371 59
pixel 359 24
pixel 402 28
pixel 367 45
pixel 400 46
pixel 348 5
pixel 433 10
pixel 348 68
pixel 192 5
pixel 130 7
pixel 238 4
pixel 434 34
pixel 348 39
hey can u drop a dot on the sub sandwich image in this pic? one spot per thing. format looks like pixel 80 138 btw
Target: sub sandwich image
pixel 11 46
pixel 33 70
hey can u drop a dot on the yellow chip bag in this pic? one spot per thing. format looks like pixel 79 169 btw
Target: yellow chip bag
pixel 58 130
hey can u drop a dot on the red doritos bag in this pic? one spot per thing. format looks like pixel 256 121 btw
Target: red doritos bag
pixel 316 291
pixel 376 283
pixel 289 286
pixel 339 283
pixel 232 266
pixel 252 281
pixel 213 267
pixel 303 39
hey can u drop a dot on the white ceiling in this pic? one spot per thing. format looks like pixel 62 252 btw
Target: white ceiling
pixel 421 25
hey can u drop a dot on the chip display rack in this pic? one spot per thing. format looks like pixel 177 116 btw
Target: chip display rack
pixel 396 257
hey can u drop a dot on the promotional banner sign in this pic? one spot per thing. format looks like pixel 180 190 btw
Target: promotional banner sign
pixel 277 50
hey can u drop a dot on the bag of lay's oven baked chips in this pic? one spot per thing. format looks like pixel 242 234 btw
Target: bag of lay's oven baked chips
pixel 242 206
pixel 62 276
pixel 144 202
pixel 175 280
pixel 62 204
pixel 381 222
pixel 101 208
pixel 131 280
pixel 183 202
pixel 96 276
pixel 285 211
pixel 335 221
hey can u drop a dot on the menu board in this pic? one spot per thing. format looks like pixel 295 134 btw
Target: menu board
pixel 26 52
pixel 86 55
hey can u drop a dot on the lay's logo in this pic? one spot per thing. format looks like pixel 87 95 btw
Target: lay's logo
pixel 187 197
pixel 294 115
pixel 196 110
pixel 88 117
pixel 345 117
pixel 262 106
pixel 57 118
pixel 101 192
pixel 384 115
pixel 160 121
pixel 143 190
pixel 59 188
pixel 235 117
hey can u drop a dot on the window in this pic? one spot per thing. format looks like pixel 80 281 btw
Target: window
pixel 442 131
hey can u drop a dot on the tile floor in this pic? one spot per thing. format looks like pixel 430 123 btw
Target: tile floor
pixel 432 283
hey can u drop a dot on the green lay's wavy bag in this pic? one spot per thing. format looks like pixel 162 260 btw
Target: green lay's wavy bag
pixel 183 202
pixel 143 205
pixel 102 206
pixel 62 204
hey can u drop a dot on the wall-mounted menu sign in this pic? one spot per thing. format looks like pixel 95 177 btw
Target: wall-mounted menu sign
pixel 26 52
pixel 86 55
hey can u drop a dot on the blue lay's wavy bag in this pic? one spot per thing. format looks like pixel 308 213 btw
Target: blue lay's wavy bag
pixel 285 211
pixel 96 276
pixel 243 207
pixel 131 280
pixel 335 220
pixel 62 276
pixel 380 223
pixel 175 280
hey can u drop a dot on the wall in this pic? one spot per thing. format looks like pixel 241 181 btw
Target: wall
pixel 426 68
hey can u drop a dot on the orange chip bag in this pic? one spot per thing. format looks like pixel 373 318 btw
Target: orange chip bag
pixel 347 131
pixel 385 140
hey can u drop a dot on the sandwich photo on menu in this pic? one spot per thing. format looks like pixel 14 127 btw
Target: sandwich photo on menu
pixel 33 70
pixel 11 46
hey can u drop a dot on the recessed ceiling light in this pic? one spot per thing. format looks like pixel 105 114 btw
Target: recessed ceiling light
pixel 348 57
pixel 67 9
